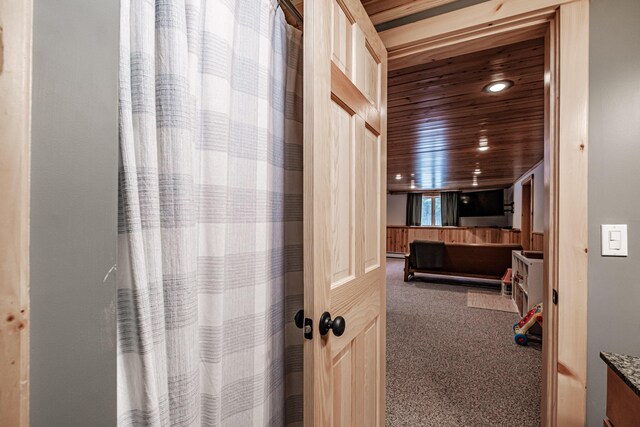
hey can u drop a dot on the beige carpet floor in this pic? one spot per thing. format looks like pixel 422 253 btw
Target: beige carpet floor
pixel 453 365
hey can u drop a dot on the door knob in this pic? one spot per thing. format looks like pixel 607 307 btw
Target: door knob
pixel 304 324
pixel 337 325
pixel 299 319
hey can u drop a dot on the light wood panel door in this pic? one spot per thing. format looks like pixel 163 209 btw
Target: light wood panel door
pixel 344 215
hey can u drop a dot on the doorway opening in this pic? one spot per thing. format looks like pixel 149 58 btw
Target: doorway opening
pixel 441 37
pixel 463 155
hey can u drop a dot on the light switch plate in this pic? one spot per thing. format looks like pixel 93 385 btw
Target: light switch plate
pixel 609 246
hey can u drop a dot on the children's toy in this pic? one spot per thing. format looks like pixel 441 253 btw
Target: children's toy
pixel 507 286
pixel 531 319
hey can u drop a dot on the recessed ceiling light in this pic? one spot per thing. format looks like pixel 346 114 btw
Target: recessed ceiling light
pixel 498 86
pixel 398 177
pixel 413 184
pixel 475 183
pixel 477 171
pixel 484 143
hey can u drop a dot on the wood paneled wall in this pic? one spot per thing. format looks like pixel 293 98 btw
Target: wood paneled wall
pixel 537 244
pixel 399 237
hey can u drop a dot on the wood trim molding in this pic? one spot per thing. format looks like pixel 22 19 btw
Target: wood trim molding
pixel 493 23
pixel 549 340
pixel 527 210
pixel 438 49
pixel 572 225
pixel 15 140
pixel 488 15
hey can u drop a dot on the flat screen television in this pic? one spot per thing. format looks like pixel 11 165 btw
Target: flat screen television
pixel 481 203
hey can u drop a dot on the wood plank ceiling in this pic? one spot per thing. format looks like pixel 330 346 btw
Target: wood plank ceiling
pixel 438 113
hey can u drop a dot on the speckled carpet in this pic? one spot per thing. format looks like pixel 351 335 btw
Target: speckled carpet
pixel 453 365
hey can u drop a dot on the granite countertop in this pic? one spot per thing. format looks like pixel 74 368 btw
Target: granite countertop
pixel 627 368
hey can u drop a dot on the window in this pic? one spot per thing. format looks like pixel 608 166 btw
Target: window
pixel 431 211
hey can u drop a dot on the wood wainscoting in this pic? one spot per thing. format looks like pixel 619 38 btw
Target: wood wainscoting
pixel 399 237
pixel 537 241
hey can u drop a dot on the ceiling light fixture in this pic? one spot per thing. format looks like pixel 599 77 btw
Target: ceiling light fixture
pixel 497 86
pixel 484 143
pixel 477 171
pixel 475 181
pixel 413 185
pixel 398 177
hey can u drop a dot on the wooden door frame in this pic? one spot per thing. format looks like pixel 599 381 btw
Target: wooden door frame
pixel 565 26
pixel 528 182
pixel 15 148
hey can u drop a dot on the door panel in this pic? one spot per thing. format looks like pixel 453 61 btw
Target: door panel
pixel 342 38
pixel 341 185
pixel 371 85
pixel 345 212
pixel 342 387
pixel 372 201
pixel 371 381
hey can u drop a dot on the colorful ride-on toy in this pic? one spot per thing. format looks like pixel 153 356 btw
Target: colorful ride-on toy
pixel 520 329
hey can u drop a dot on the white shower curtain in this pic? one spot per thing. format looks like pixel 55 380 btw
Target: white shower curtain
pixel 210 215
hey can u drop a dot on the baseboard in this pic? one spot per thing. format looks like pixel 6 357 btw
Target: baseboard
pixel 395 255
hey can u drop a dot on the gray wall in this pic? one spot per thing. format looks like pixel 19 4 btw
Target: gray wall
pixel 614 187
pixel 397 209
pixel 73 212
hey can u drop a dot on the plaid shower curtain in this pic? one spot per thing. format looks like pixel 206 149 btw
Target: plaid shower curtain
pixel 210 215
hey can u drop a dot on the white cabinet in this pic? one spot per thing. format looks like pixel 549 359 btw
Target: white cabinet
pixel 526 275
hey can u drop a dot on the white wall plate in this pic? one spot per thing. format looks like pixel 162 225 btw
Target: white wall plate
pixel 614 240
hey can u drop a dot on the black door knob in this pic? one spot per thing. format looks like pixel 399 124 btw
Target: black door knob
pixel 305 324
pixel 299 319
pixel 337 325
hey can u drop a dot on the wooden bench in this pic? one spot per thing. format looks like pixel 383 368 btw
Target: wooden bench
pixel 486 261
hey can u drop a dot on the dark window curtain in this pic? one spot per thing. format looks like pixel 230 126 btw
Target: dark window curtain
pixel 414 209
pixel 449 201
